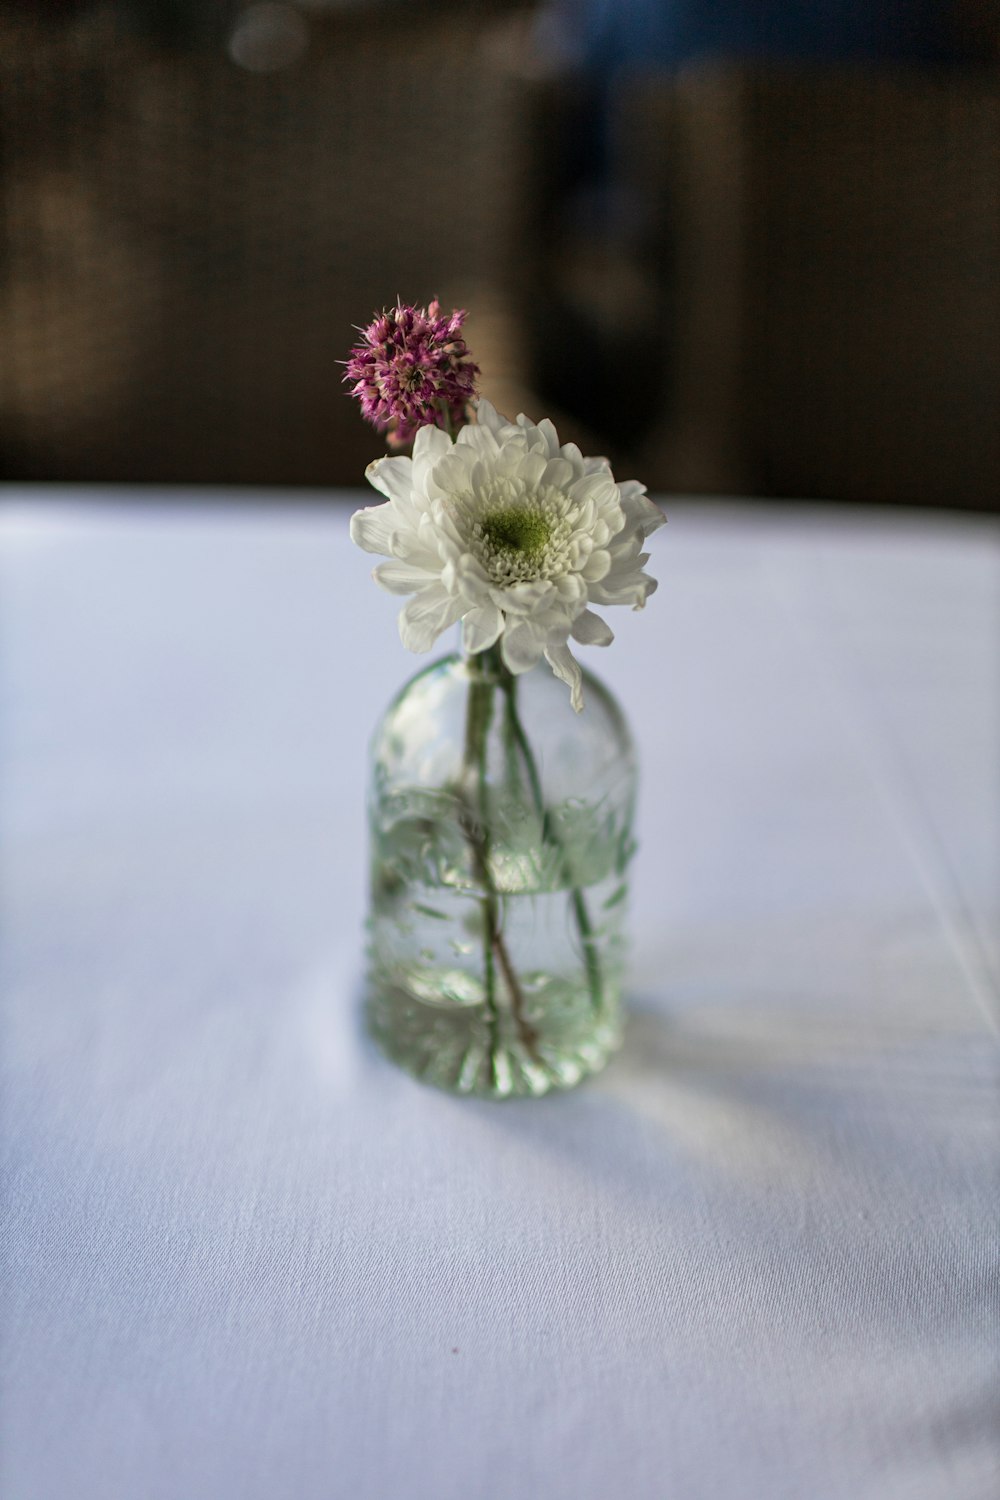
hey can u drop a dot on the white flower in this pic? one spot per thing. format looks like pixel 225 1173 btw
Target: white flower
pixel 511 534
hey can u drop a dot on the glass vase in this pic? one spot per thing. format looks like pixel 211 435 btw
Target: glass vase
pixel 501 832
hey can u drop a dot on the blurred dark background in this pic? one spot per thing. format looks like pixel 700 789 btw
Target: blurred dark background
pixel 740 248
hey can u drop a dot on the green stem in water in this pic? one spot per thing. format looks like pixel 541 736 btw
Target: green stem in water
pixel 550 835
pixel 479 713
pixel 477 716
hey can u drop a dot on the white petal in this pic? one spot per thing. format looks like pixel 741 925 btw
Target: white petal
pixel 429 444
pixel 488 416
pixel 570 589
pixel 618 588
pixel 559 473
pixel 625 584
pixel 373 527
pixel 590 630
pixel 547 434
pixel 521 599
pixel 520 646
pixel 597 566
pixel 567 669
pixel 599 487
pixel 425 616
pixel 402 578
pixel 592 465
pixel 480 628
pixel 412 547
pixel 470 579
pixel 639 509
pixel 480 437
pixel 392 477
pixel 531 469
pixel 452 473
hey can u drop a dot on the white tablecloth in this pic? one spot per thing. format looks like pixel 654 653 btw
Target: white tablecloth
pixel 246 1259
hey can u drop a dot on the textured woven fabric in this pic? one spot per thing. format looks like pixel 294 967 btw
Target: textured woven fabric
pixel 246 1259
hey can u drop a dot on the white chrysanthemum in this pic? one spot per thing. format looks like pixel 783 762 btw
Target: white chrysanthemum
pixel 511 534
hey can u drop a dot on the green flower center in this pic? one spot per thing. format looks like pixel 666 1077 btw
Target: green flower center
pixel 523 531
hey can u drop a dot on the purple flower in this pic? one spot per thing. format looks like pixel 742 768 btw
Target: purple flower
pixel 413 370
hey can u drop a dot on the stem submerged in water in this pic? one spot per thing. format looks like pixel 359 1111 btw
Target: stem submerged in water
pixel 476 827
pixel 550 836
pixel 487 671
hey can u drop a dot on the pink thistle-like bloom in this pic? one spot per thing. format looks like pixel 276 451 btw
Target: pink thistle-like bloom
pixel 413 370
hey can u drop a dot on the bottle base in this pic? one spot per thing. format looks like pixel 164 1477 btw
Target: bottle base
pixel 465 1050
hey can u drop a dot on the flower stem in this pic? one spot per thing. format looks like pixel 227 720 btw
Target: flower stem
pixel 479 713
pixel 550 836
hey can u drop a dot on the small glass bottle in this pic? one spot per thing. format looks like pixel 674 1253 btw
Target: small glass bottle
pixel 501 832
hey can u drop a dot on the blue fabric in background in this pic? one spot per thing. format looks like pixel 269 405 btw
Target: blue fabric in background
pixel 607 34
pixel 602 39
